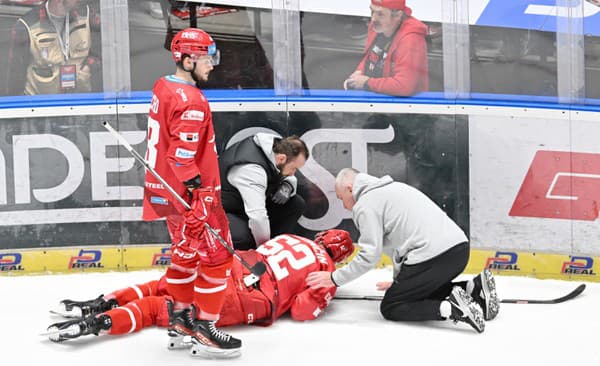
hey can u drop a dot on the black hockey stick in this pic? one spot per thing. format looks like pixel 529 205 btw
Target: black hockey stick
pixel 258 269
pixel 571 295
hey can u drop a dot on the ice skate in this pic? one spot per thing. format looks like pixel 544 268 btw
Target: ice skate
pixel 83 309
pixel 210 342
pixel 76 328
pixel 464 309
pixel 181 327
pixel 202 336
pixel 484 293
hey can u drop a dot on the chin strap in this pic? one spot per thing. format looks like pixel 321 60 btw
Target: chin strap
pixel 192 73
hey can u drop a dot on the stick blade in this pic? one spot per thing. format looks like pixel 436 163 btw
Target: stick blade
pixel 571 295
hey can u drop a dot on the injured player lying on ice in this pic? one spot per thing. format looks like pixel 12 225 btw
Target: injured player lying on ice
pixel 289 259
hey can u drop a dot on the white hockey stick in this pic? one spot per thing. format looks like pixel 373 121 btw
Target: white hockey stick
pixel 257 270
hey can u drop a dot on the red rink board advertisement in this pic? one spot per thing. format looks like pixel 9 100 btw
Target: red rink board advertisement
pixel 535 182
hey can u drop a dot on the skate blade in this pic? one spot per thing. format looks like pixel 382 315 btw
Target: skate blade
pixel 61 310
pixel 489 288
pixel 57 335
pixel 179 342
pixel 207 352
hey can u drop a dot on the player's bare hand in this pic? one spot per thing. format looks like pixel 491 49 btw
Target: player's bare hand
pixel 320 279
pixel 383 286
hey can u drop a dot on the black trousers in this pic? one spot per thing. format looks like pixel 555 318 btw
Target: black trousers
pixel 419 289
pixel 282 220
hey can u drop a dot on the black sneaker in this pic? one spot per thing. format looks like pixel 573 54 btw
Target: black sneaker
pixel 83 309
pixel 464 309
pixel 75 328
pixel 210 342
pixel 484 293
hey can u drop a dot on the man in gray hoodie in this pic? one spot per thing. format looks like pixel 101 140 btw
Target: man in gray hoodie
pixel 258 187
pixel 427 248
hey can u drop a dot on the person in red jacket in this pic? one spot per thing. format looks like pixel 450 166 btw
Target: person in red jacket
pixel 181 149
pixel 289 259
pixel 395 60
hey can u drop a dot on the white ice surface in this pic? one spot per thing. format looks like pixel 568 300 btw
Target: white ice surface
pixel 347 333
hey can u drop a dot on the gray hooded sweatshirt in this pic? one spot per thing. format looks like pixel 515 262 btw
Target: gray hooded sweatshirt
pixel 398 220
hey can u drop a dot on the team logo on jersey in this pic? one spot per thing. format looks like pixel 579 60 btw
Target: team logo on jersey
pixel 86 259
pixel 182 94
pixel 10 262
pixel 163 258
pixel 154 185
pixel 192 115
pixel 184 154
pixel 503 261
pixel 159 201
pixel 189 136
pixel 579 265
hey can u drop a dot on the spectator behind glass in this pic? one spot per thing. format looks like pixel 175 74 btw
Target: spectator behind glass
pixel 395 60
pixel 51 49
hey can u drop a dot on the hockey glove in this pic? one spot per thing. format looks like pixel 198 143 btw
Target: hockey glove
pixel 283 193
pixel 203 201
pixel 337 243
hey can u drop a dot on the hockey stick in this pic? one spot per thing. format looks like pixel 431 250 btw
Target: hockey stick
pixel 571 295
pixel 257 270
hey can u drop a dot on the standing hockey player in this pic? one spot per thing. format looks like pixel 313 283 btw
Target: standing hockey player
pixel 181 149
pixel 283 288
pixel 427 248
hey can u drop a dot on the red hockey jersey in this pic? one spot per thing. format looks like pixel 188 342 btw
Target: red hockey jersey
pixel 180 145
pixel 283 288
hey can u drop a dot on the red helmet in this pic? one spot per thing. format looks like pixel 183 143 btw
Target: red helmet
pixel 337 243
pixel 194 43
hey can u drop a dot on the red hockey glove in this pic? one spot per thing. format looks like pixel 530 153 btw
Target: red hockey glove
pixel 203 201
pixel 337 243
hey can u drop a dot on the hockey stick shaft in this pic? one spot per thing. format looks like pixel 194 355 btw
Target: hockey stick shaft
pixel 571 295
pixel 257 269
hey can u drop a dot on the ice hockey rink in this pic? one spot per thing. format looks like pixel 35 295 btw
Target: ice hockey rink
pixel 348 332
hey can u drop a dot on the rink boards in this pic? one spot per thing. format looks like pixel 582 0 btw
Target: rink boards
pixel 522 179
pixel 130 258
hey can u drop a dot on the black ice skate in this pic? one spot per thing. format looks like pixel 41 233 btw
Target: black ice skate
pixel 181 327
pixel 484 293
pixel 83 309
pixel 464 309
pixel 210 342
pixel 75 328
pixel 202 335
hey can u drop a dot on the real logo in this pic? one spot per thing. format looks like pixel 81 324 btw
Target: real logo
pixel 10 262
pixel 503 261
pixel 86 259
pixel 579 266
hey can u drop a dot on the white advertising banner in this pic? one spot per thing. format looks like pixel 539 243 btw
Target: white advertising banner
pixel 534 183
pixel 542 15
